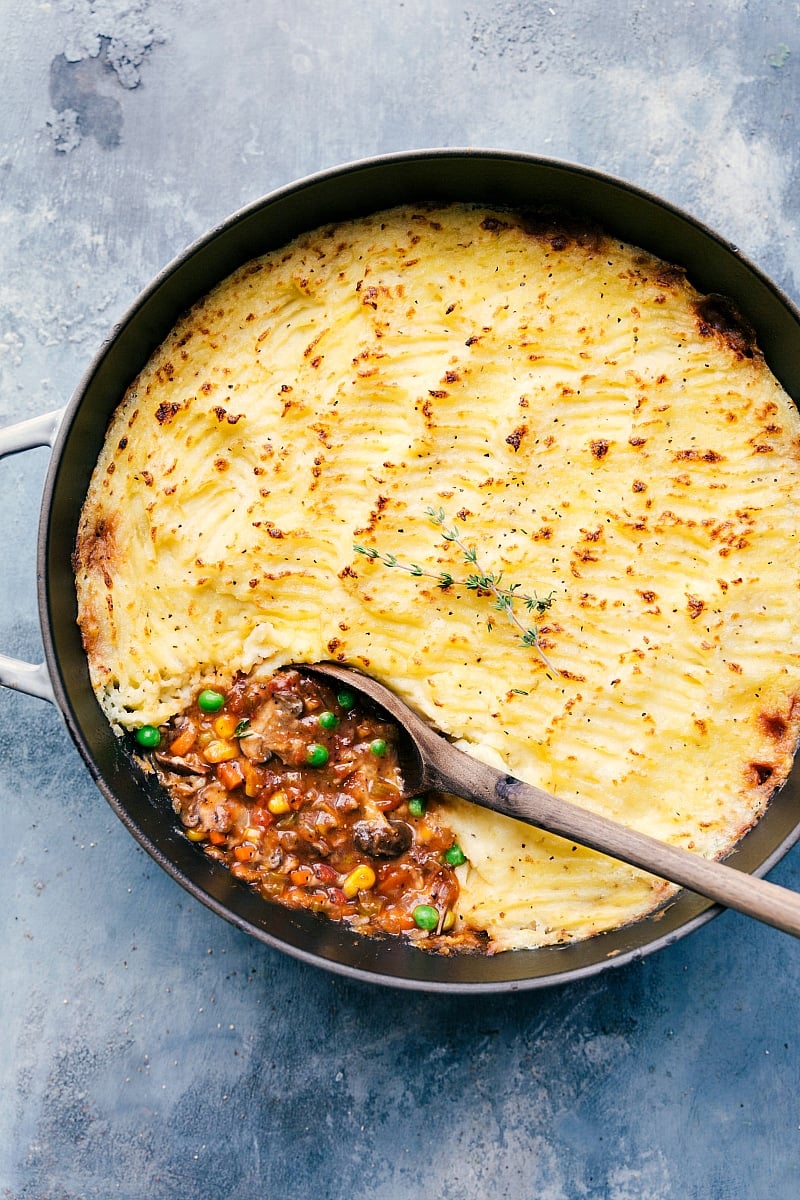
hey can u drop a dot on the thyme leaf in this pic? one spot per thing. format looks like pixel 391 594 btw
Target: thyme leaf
pixel 503 596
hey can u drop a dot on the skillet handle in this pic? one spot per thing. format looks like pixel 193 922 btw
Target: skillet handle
pixel 31 678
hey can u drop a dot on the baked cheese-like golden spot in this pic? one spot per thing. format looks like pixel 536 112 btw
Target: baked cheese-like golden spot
pixel 597 428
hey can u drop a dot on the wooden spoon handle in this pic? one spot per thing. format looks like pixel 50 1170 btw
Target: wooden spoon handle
pixel 462 775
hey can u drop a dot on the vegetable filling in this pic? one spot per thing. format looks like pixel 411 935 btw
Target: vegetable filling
pixel 298 790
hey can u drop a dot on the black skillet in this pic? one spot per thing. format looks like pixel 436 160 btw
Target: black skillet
pixel 497 178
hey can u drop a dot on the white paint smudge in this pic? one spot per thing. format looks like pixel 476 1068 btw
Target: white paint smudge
pixel 649 1177
pixel 103 40
pixel 63 128
pixel 127 28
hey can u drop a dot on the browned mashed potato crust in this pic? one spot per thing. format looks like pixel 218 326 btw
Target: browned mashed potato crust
pixel 593 424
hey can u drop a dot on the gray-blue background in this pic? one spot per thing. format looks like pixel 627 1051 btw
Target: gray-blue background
pixel 146 1048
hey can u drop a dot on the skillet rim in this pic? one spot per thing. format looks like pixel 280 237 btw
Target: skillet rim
pixel 337 949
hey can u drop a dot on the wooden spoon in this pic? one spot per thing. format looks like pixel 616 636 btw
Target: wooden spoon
pixel 430 763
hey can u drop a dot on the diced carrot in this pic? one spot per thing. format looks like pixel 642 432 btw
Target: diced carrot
pixel 394 920
pixel 244 852
pixel 183 743
pixel 216 838
pixel 303 876
pixel 230 774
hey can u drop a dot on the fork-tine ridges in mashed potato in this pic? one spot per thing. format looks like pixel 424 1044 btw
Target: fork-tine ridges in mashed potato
pixel 591 423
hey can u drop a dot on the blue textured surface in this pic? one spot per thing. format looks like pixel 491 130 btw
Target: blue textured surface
pixel 147 1048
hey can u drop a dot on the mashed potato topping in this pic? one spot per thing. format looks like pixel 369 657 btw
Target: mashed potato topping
pixel 592 424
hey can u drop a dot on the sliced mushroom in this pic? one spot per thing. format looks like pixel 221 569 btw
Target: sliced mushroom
pixel 382 839
pixel 182 790
pixel 216 808
pixel 192 764
pixel 273 859
pixel 290 702
pixel 275 728
pixel 254 746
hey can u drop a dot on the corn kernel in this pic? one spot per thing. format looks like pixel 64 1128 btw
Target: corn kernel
pixel 225 725
pixel 449 921
pixel 252 833
pixel 220 751
pixel 360 879
pixel 196 835
pixel 278 803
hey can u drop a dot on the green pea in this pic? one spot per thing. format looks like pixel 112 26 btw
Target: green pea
pixel 426 917
pixel 210 701
pixel 378 747
pixel 416 806
pixel 346 700
pixel 328 720
pixel 149 737
pixel 317 755
pixel 455 856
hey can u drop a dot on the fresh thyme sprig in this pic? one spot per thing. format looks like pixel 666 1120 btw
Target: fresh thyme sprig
pixel 480 580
